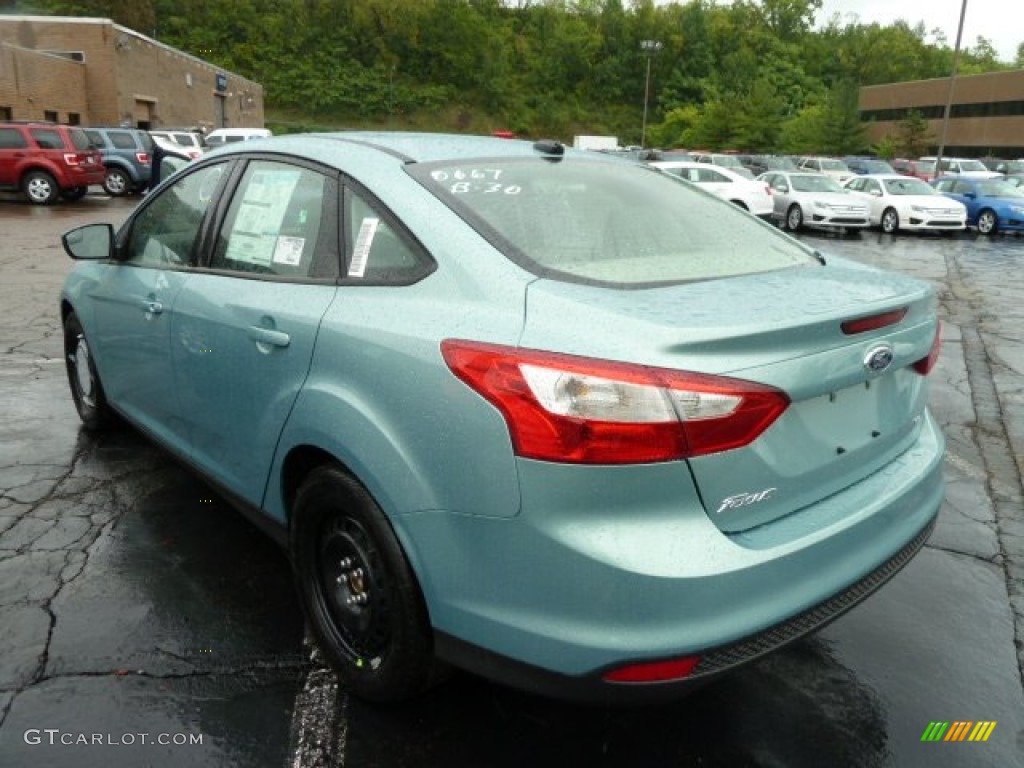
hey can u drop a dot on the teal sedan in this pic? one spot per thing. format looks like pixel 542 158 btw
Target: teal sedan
pixel 551 417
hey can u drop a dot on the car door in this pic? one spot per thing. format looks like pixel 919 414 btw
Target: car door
pixel 13 150
pixel 244 327
pixel 134 298
pixel 964 192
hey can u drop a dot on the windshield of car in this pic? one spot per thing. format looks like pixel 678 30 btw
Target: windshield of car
pixel 815 183
pixel 834 165
pixel 908 186
pixel 729 161
pixel 607 222
pixel 971 165
pixel 877 166
pixel 80 139
pixel 998 188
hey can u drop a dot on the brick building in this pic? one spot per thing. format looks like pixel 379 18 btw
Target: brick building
pixel 95 72
pixel 986 118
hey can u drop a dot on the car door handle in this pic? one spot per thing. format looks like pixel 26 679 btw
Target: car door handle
pixel 152 307
pixel 269 336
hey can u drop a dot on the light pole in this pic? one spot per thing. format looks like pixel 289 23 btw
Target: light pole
pixel 650 47
pixel 949 94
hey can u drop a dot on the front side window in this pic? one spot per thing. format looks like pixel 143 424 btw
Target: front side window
pixel 12 138
pixel 164 233
pixel 277 226
pixel 616 224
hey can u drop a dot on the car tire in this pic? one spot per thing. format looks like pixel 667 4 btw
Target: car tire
pixel 86 388
pixel 40 188
pixel 117 183
pixel 73 194
pixel 890 221
pixel 358 591
pixel 988 222
pixel 794 217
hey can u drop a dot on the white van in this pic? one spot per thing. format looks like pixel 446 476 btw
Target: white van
pixel 225 135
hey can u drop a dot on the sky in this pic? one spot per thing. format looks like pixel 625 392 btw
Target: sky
pixel 999 21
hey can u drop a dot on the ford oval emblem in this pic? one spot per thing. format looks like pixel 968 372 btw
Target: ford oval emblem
pixel 879 358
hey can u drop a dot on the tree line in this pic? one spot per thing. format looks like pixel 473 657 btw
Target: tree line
pixel 754 75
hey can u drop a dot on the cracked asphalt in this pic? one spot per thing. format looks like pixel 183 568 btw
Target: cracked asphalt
pixel 135 603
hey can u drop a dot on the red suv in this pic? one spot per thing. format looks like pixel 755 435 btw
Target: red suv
pixel 47 161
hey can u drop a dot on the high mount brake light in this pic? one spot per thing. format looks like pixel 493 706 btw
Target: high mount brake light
pixel 579 410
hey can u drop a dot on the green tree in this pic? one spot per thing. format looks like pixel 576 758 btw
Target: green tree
pixel 913 136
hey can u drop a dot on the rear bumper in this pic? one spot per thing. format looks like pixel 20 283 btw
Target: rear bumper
pixel 593 688
pixel 605 567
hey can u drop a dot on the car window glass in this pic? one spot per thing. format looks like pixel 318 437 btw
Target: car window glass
pixel 79 139
pixel 95 138
pixel 375 251
pixel 857 185
pixel 611 223
pixel 275 223
pixel 12 138
pixel 47 138
pixel 164 233
pixel 122 140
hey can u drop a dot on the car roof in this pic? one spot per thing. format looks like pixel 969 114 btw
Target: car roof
pixel 406 147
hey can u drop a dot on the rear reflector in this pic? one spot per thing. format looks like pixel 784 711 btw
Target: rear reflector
pixel 873 322
pixel 579 410
pixel 654 672
pixel 925 364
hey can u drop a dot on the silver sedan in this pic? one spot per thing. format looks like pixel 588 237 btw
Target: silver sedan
pixel 813 200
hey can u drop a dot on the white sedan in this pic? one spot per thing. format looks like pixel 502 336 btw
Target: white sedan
pixel 753 196
pixel 814 200
pixel 903 202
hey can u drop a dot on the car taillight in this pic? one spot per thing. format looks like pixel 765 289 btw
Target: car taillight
pixel 579 410
pixel 142 157
pixel 925 364
pixel 71 158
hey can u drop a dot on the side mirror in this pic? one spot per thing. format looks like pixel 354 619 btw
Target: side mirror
pixel 970 195
pixel 91 242
pixel 784 189
pixel 876 193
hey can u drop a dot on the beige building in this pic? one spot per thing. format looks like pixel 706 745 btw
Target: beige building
pixel 986 118
pixel 95 72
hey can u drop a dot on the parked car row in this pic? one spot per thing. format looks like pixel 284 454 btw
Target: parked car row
pixel 50 161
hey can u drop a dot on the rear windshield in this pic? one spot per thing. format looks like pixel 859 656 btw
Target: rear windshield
pixel 605 222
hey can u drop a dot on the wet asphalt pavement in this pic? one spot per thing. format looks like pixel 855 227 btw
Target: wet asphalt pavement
pixel 138 610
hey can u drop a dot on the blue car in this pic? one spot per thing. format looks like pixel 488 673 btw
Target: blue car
pixel 548 416
pixel 993 205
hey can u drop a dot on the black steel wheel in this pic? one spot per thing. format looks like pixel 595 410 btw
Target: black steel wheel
pixel 86 388
pixel 358 591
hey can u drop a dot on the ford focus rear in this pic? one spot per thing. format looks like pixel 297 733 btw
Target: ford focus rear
pixel 561 420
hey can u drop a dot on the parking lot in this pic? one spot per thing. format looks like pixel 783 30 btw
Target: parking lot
pixel 137 606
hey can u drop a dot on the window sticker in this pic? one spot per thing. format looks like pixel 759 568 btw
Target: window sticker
pixel 254 236
pixel 361 251
pixel 288 250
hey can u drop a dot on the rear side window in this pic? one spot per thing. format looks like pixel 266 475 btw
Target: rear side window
pixel 12 138
pixel 79 139
pixel 610 223
pixel 47 138
pixel 122 140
